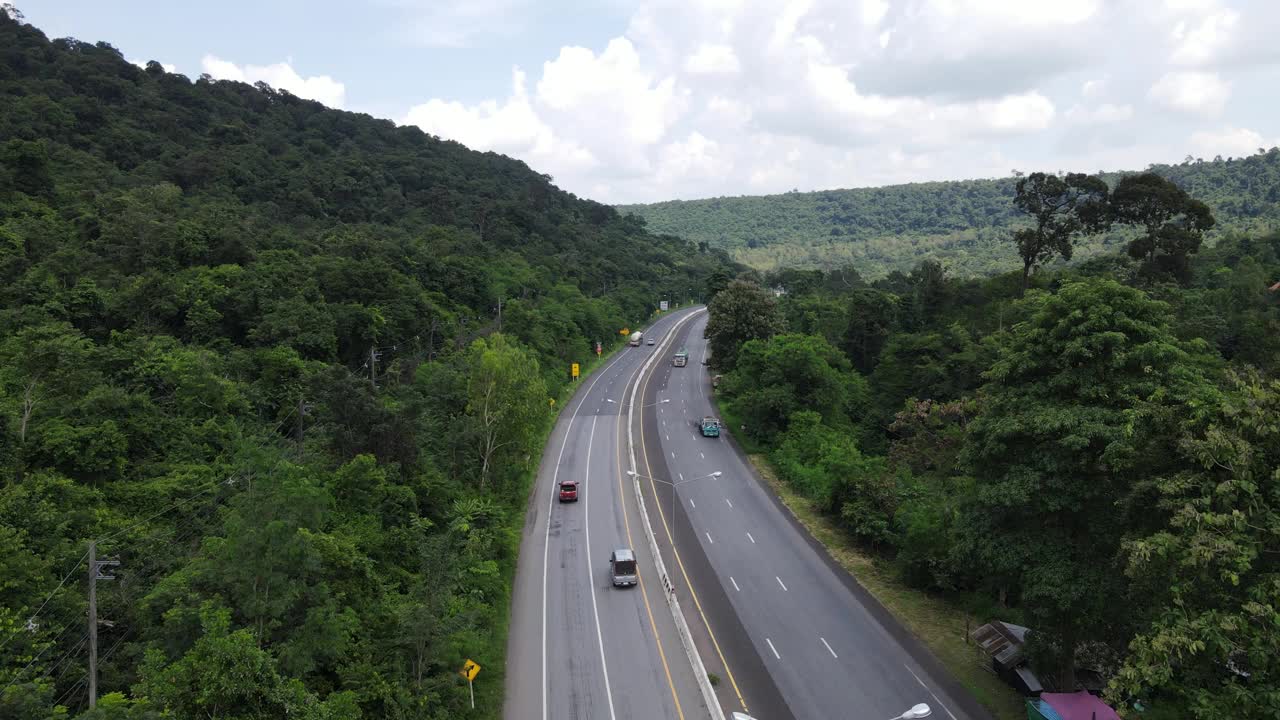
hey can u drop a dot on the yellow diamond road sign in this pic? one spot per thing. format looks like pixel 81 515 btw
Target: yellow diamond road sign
pixel 469 670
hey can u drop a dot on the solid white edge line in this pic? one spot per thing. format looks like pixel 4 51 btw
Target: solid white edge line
pixel 551 504
pixel 608 691
pixel 784 587
pixel 774 649
pixel 926 687
pixel 833 652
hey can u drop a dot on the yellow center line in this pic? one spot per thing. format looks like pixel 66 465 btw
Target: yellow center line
pixel 640 580
pixel 648 470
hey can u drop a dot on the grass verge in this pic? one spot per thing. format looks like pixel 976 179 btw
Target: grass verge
pixel 940 625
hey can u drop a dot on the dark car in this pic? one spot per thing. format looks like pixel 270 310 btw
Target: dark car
pixel 569 491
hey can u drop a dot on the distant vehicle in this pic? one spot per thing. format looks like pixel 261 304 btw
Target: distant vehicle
pixel 681 358
pixel 568 491
pixel 710 427
pixel 635 338
pixel 650 341
pixel 622 567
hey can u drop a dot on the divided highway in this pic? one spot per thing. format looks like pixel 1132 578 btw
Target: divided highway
pixel 789 633
pixel 578 647
pixel 796 636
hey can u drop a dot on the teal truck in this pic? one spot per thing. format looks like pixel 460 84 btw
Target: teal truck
pixel 710 427
pixel 681 358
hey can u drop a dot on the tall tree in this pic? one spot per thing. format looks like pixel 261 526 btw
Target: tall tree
pixel 1061 207
pixel 507 402
pixel 1173 222
pixel 872 314
pixel 742 311
pixel 1081 405
pixel 786 373
pixel 1212 648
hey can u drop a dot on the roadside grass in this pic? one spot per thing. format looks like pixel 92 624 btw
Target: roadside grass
pixel 941 625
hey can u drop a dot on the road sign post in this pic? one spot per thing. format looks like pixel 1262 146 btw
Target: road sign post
pixel 574 370
pixel 469 670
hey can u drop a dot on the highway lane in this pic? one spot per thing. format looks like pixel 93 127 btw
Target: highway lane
pixel 829 649
pixel 578 647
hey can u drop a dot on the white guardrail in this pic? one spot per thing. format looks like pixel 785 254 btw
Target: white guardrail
pixel 682 627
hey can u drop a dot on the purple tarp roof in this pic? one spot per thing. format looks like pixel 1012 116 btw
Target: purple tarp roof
pixel 1079 706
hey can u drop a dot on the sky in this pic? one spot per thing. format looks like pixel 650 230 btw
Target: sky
pixel 627 101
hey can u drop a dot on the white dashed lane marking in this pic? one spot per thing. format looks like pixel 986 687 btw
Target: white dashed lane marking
pixel 833 652
pixel 774 649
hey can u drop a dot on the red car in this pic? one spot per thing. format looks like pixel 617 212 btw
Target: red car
pixel 568 491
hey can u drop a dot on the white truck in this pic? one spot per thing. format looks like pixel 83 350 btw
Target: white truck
pixel 636 337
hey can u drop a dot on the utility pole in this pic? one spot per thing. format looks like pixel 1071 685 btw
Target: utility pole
pixel 93 624
pixel 95 574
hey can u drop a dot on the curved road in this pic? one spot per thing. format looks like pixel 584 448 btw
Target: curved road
pixel 766 591
pixel 578 647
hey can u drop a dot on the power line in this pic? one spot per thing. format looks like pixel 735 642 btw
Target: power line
pixel 31 620
pixel 211 485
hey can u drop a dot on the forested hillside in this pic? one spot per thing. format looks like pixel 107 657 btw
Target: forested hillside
pixel 965 225
pixel 1097 459
pixel 290 367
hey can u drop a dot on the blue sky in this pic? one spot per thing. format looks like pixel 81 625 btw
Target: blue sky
pixel 644 100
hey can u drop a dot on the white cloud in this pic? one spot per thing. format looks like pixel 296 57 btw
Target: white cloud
pixel 1229 141
pixel 281 76
pixel 168 67
pixel 1201 40
pixel 709 97
pixel 512 127
pixel 458 23
pixel 1104 114
pixel 712 59
pixel 1200 93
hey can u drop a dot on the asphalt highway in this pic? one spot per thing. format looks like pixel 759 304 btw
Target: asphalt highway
pixel 795 636
pixel 579 648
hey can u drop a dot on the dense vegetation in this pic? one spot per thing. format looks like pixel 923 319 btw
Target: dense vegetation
pixel 290 367
pixel 1097 458
pixel 963 225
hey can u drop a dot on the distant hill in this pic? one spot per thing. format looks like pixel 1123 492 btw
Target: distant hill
pixel 292 368
pixel 964 223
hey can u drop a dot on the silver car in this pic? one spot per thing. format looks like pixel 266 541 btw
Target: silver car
pixel 622 567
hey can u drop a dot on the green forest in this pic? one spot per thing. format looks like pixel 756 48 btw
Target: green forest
pixel 963 225
pixel 290 368
pixel 1091 451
